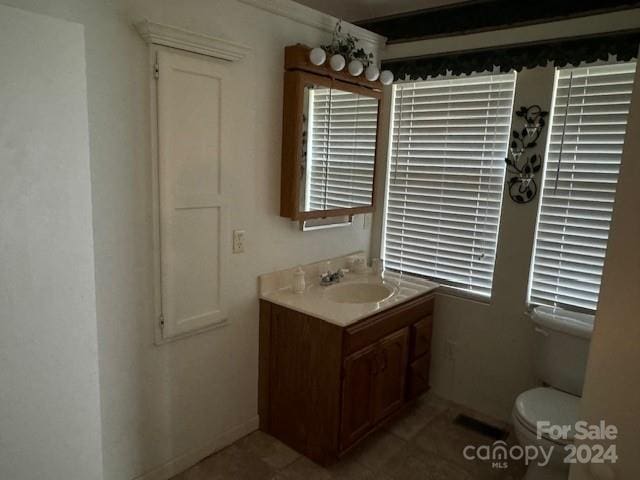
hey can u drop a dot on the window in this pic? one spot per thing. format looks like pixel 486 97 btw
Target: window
pixel 449 139
pixel 342 144
pixel 588 123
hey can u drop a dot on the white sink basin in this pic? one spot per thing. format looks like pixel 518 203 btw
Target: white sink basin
pixel 358 292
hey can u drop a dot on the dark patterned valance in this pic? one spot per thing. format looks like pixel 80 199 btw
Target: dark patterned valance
pixel 562 52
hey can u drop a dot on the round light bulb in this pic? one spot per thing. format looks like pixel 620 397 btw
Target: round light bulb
pixel 355 67
pixel 317 56
pixel 337 62
pixel 372 73
pixel 386 77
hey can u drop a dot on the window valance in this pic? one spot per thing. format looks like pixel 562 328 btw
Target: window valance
pixel 560 52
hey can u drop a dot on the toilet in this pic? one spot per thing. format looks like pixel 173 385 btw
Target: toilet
pixel 561 347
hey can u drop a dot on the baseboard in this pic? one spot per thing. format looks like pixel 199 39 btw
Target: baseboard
pixel 186 460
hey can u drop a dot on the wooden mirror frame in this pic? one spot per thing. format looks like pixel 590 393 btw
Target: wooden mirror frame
pixel 299 71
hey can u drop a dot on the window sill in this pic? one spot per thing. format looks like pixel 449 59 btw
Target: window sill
pixel 463 295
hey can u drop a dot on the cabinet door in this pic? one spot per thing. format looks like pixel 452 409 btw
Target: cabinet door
pixel 193 119
pixel 421 333
pixel 389 383
pixel 358 393
pixel 418 381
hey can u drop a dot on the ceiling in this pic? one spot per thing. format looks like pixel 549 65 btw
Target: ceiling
pixel 355 10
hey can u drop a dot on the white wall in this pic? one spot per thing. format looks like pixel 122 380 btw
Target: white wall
pixel 165 407
pixel 491 362
pixel 612 391
pixel 49 393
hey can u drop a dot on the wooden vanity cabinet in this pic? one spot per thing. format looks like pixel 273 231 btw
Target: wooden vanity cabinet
pixel 323 388
pixel 372 385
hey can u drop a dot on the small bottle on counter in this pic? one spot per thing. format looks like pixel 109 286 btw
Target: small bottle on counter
pixel 359 265
pixel 299 284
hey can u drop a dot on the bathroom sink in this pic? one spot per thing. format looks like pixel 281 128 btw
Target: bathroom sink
pixel 358 292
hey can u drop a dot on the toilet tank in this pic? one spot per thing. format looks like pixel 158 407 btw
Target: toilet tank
pixel 561 347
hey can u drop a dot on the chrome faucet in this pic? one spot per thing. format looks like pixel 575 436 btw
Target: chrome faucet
pixel 329 278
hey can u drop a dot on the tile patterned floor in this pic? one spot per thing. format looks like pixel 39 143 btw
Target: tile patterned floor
pixel 423 444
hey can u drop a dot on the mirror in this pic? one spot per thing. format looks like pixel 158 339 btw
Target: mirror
pixel 329 147
pixel 339 149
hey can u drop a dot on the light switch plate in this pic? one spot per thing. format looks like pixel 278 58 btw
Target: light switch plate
pixel 238 241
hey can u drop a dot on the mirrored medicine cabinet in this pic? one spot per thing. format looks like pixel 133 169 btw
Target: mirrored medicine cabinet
pixel 329 143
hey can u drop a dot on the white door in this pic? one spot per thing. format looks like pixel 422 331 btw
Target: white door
pixel 192 111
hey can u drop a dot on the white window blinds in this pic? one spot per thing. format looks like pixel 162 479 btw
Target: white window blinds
pixel 588 126
pixel 341 146
pixel 446 173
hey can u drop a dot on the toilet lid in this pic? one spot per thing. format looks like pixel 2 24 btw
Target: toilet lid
pixel 547 404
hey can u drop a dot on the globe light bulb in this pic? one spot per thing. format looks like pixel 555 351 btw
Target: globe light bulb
pixel 372 73
pixel 355 67
pixel 317 56
pixel 386 77
pixel 337 62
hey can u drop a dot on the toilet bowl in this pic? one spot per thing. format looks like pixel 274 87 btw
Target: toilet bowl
pixel 561 346
pixel 545 404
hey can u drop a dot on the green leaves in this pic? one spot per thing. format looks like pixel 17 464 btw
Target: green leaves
pixel 345 44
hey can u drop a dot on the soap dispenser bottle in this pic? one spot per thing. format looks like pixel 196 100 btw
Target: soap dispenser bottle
pixel 298 280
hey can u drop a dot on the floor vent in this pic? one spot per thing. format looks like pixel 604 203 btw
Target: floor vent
pixel 480 427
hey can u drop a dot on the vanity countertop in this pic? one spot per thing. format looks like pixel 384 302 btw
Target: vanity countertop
pixel 315 300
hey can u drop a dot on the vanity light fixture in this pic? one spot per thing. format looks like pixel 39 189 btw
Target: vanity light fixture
pixel 344 52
